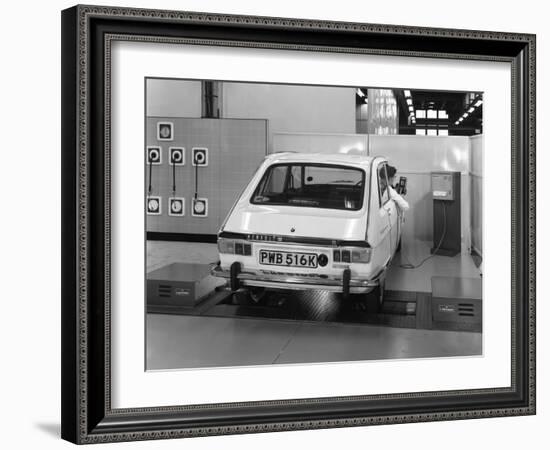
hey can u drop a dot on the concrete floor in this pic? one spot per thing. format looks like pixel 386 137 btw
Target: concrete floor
pixel 420 279
pixel 204 341
pixel 192 342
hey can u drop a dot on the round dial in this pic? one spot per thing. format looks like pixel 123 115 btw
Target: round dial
pixel 153 205
pixel 176 206
pixel 199 207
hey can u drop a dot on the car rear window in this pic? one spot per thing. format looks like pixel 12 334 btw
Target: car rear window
pixel 311 185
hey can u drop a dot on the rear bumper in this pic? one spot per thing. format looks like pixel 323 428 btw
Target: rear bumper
pixel 292 282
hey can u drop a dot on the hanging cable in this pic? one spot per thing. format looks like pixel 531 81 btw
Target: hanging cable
pixel 196 181
pixel 172 156
pixel 408 265
pixel 150 188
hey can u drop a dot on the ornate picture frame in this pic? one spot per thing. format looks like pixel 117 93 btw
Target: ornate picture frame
pixel 87 35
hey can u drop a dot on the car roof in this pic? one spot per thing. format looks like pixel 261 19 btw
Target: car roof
pixel 322 158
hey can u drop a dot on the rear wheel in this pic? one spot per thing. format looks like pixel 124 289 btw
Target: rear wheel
pixel 250 296
pixel 257 294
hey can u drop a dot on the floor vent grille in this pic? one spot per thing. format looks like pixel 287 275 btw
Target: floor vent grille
pixel 164 290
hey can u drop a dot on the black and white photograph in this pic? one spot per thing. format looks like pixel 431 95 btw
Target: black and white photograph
pixel 315 223
pixel 283 223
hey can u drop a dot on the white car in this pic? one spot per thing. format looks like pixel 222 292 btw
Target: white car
pixel 312 221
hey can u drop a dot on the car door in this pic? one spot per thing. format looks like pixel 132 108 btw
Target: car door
pixel 390 207
pixel 393 212
pixel 380 225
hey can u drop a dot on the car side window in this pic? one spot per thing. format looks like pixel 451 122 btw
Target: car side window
pixel 275 183
pixel 383 191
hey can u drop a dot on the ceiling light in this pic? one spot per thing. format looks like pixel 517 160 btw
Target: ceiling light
pixel 457 122
pixel 465 115
pixel 360 93
pixel 471 110
pixel 478 103
pixel 409 101
pixel 407 93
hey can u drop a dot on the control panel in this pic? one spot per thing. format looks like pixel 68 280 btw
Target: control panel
pixel 196 168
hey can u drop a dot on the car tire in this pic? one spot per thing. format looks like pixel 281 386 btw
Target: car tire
pixel 240 298
pixel 256 294
pixel 375 299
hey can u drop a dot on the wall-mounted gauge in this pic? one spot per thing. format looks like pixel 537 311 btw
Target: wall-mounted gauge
pixel 200 156
pixel 200 207
pixel 154 205
pixel 165 131
pixel 154 155
pixel 176 206
pixel 177 156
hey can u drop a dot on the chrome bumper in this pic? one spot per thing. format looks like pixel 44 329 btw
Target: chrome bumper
pixel 279 281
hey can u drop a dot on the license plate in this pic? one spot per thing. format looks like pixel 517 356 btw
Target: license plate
pixel 288 259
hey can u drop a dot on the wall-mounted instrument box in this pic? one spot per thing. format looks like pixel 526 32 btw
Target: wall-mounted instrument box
pixel 447 235
pixel 443 186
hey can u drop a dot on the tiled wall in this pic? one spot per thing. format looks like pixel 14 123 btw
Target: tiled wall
pixel 235 150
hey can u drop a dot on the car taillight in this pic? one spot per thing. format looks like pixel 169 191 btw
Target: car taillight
pixel 360 255
pixel 226 246
pixel 346 256
pixel 355 255
pixel 234 247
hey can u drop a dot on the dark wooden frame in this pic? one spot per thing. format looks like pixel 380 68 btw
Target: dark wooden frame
pixel 87 32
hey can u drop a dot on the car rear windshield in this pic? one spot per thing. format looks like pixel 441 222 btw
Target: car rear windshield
pixel 312 186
